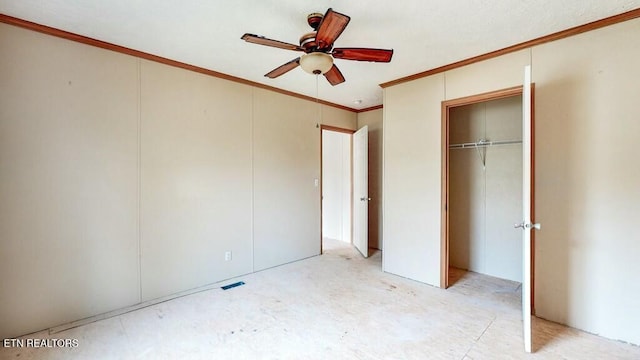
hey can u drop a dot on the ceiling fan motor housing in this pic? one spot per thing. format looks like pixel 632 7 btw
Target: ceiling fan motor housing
pixel 314 20
pixel 308 42
pixel 315 61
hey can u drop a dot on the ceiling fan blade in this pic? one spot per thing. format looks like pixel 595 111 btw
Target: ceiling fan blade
pixel 282 69
pixel 363 54
pixel 332 25
pixel 261 40
pixel 334 76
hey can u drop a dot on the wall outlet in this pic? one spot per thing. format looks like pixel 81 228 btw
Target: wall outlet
pixel 227 256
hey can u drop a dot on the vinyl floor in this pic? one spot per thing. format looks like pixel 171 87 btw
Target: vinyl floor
pixel 334 306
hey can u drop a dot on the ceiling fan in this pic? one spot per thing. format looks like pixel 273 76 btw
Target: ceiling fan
pixel 318 48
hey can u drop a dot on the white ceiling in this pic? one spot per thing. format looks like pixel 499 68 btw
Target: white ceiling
pixel 424 34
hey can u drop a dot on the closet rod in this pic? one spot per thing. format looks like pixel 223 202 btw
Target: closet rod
pixel 484 143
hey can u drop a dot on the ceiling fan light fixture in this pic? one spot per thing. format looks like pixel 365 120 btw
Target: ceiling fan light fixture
pixel 316 63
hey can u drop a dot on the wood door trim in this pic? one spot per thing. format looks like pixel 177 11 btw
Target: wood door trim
pixel 478 98
pixel 533 196
pixel 444 221
pixel 444 197
pixel 629 15
pixel 336 129
pixel 344 131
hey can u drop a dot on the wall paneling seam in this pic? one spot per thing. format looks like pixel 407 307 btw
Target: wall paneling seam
pixel 253 178
pixel 139 170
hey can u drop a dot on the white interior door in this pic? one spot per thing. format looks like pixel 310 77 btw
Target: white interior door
pixel 361 190
pixel 526 224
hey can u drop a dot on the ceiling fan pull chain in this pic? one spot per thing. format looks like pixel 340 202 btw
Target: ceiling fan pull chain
pixel 319 120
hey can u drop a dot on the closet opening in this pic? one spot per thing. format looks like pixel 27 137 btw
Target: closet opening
pixel 482 187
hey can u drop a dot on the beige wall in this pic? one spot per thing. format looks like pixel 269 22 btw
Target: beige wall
pixel 373 119
pixel 286 155
pixel 588 181
pixel 586 174
pixel 195 179
pixel 332 116
pixel 124 180
pixel 485 189
pixel 411 179
pixel 68 181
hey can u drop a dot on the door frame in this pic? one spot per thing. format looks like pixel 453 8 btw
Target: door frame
pixel 444 222
pixel 345 131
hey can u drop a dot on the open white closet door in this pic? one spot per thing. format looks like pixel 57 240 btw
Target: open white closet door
pixel 361 190
pixel 526 224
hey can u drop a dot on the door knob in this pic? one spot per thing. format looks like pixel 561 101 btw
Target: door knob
pixel 527 226
pixel 365 199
